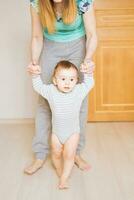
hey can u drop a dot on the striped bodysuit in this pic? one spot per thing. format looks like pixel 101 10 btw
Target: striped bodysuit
pixel 65 107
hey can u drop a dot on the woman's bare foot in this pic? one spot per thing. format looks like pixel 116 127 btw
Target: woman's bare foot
pixel 34 167
pixel 82 164
pixel 63 184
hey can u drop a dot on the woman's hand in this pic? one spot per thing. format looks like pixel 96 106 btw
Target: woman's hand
pixel 87 67
pixel 33 69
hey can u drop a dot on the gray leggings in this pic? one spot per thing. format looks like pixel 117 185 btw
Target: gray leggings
pixel 52 53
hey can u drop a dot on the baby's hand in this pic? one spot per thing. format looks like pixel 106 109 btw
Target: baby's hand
pixel 34 69
pixel 87 68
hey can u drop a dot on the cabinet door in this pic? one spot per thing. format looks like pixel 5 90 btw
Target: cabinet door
pixel 112 98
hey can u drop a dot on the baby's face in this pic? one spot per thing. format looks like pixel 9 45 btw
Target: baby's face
pixel 66 79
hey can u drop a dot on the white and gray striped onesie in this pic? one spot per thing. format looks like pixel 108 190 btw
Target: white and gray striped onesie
pixel 65 107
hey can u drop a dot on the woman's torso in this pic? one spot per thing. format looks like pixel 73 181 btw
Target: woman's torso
pixel 65 33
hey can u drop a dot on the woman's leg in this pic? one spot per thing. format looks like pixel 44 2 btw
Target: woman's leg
pixel 76 56
pixel 68 159
pixel 79 161
pixel 57 149
pixel 40 144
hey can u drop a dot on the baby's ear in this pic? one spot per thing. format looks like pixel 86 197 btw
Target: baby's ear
pixel 54 81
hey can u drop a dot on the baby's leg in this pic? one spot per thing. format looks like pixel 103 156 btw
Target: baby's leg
pixel 69 153
pixel 57 149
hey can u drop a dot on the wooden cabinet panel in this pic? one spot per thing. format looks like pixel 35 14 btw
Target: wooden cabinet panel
pixel 116 18
pixel 112 98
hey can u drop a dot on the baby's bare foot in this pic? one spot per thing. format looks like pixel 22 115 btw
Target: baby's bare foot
pixel 63 184
pixel 34 167
pixel 82 164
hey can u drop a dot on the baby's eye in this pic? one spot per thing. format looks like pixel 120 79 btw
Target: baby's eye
pixel 72 79
pixel 63 79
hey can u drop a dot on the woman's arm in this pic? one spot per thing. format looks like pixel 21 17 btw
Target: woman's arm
pixel 88 79
pixel 37 36
pixel 91 36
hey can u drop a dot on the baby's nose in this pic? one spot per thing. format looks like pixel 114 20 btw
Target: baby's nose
pixel 67 83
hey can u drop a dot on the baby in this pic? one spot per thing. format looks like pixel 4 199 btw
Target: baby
pixel 65 96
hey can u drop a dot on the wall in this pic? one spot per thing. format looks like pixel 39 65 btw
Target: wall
pixel 17 99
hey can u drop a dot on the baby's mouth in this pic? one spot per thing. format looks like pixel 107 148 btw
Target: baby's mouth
pixel 66 88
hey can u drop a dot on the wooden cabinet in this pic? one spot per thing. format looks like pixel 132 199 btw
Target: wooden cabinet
pixel 112 98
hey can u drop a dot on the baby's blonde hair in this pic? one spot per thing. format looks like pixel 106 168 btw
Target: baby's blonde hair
pixel 64 64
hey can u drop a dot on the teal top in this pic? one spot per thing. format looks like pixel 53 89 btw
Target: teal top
pixel 64 32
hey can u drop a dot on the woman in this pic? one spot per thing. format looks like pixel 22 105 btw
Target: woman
pixel 58 33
